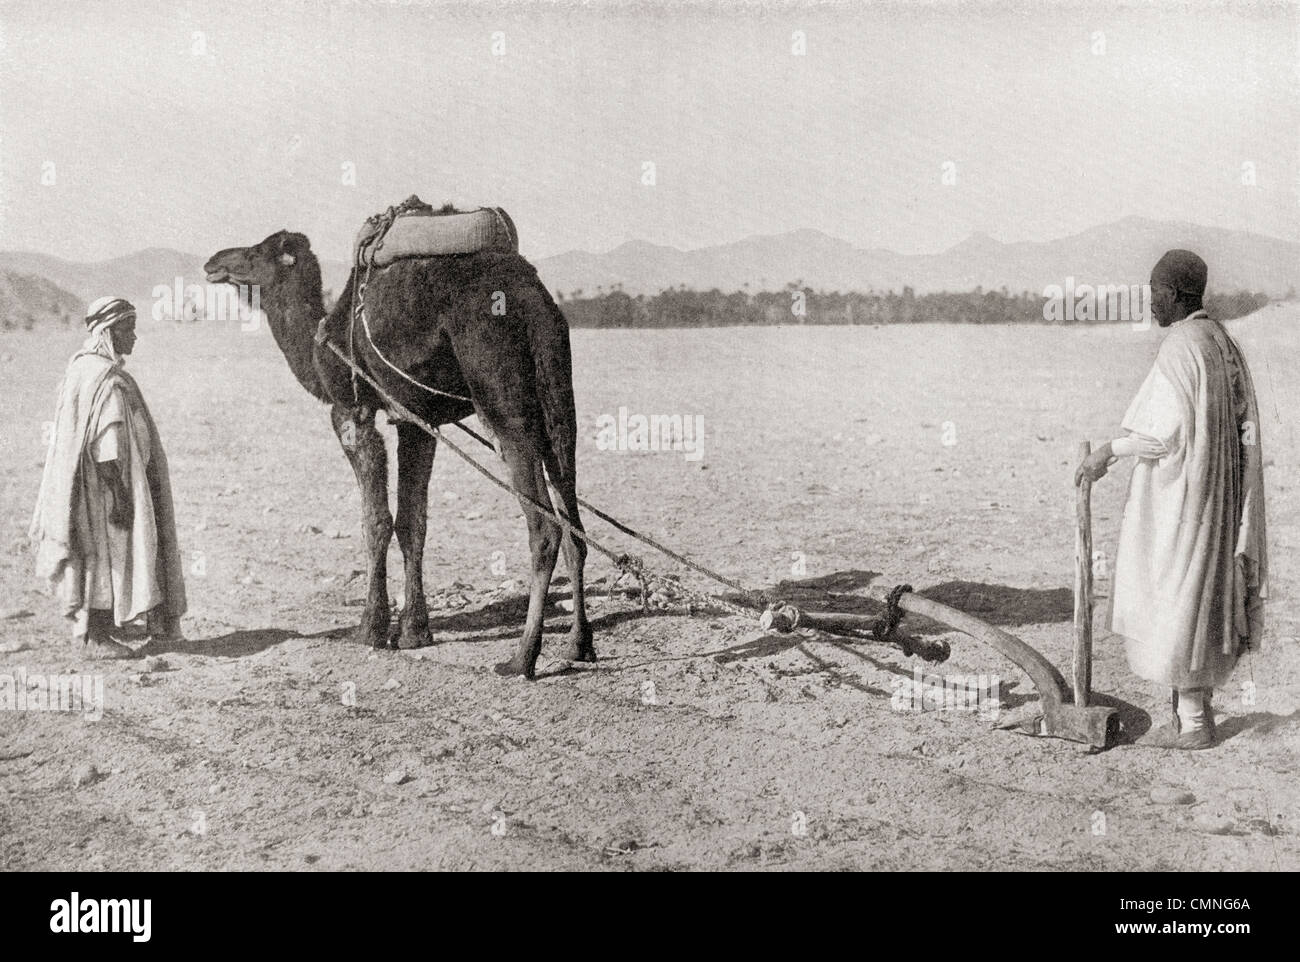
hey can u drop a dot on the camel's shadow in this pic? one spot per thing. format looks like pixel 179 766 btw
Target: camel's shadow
pixel 495 621
pixel 504 618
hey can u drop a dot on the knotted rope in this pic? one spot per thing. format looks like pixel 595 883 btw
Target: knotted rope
pixel 884 629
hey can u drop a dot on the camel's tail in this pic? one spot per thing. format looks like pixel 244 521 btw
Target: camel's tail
pixel 548 333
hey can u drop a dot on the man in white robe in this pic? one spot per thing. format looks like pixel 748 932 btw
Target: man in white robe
pixel 1191 569
pixel 104 527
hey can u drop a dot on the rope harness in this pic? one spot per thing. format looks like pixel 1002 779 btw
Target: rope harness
pixel 359 312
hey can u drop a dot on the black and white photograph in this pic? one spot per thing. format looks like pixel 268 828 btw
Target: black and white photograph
pixel 651 436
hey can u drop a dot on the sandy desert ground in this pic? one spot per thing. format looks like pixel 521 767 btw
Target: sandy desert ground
pixel 269 739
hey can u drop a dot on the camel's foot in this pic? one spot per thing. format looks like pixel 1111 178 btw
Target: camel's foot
pixel 414 636
pixel 517 666
pixel 376 636
pixel 579 646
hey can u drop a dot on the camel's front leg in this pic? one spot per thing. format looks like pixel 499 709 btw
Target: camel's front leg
pixel 364 446
pixel 415 450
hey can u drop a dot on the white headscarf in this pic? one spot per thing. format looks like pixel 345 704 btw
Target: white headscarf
pixel 101 315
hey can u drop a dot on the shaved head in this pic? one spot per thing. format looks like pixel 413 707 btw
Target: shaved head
pixel 1182 270
pixel 1177 285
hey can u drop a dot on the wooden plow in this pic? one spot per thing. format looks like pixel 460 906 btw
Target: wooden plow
pixel 1066 712
pixel 1066 709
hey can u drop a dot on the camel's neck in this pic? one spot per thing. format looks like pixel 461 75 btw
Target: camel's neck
pixel 293 311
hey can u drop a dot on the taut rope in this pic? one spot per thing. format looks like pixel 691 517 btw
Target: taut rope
pixel 359 311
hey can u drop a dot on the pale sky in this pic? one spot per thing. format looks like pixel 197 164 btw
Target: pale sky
pixel 208 124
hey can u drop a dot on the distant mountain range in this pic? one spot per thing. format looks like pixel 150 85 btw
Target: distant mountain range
pixel 1121 252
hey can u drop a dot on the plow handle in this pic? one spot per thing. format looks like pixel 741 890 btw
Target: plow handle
pixel 1081 668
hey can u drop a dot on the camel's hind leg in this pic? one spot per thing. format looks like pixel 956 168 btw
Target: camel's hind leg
pixel 560 466
pixel 364 447
pixel 415 450
pixel 529 478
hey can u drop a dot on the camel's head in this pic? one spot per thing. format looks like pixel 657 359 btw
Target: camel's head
pixel 273 262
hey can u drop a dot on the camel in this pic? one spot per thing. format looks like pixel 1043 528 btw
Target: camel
pixel 433 319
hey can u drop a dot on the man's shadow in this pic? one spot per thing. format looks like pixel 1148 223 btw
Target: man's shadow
pixel 1134 722
pixel 1262 723
pixel 238 644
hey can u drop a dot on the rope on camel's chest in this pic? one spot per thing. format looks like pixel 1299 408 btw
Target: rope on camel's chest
pixel 359 312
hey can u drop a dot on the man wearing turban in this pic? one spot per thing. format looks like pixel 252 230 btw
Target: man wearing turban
pixel 104 528
pixel 1191 570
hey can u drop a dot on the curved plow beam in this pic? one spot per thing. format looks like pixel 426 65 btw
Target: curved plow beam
pixel 1061 718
